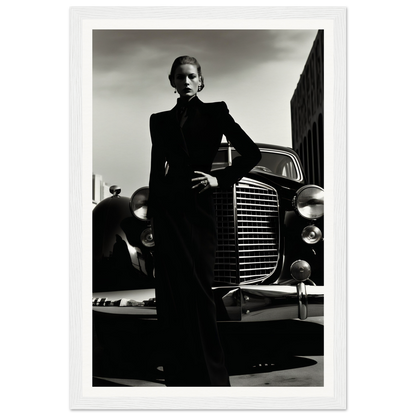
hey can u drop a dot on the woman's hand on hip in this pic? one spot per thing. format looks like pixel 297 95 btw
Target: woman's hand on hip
pixel 205 181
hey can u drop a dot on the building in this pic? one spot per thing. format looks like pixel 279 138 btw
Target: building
pixel 307 114
pixel 100 189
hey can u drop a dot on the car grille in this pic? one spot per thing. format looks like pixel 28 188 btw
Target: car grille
pixel 248 239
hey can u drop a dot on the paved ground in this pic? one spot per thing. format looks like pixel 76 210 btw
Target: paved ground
pixel 286 353
pixel 309 374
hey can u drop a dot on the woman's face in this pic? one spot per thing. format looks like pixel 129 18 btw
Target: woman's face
pixel 186 80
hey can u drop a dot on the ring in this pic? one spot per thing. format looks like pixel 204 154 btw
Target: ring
pixel 204 182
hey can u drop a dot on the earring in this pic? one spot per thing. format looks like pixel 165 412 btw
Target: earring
pixel 199 88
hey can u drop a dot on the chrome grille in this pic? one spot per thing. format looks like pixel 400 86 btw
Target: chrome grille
pixel 248 243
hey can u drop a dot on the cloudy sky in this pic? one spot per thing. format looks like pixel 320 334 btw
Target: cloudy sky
pixel 254 71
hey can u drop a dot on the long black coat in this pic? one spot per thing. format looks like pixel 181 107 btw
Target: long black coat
pixel 185 235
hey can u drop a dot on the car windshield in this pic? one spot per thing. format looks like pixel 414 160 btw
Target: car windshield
pixel 280 164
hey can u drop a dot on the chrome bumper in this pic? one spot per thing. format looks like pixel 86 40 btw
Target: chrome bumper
pixel 268 303
pixel 242 303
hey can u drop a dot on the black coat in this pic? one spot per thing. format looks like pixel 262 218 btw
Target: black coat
pixel 185 234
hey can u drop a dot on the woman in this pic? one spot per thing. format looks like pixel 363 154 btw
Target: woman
pixel 181 207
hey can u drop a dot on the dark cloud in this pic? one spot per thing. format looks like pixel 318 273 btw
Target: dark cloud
pixel 230 47
pixel 126 60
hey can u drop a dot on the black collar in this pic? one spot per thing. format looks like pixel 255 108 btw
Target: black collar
pixel 182 104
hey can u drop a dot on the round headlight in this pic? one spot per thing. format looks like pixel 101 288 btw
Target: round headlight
pixel 309 202
pixel 138 203
pixel 311 234
pixel 147 237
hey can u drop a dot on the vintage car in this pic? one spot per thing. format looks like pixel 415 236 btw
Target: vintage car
pixel 269 263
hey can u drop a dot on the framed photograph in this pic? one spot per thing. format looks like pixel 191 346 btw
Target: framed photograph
pixel 280 265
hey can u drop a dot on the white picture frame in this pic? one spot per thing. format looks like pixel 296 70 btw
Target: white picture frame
pixel 82 21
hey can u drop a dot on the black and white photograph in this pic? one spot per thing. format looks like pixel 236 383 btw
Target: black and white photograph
pixel 205 160
pixel 237 222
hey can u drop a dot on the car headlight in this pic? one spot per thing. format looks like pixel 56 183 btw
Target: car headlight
pixel 147 237
pixel 309 202
pixel 138 203
pixel 311 234
pixel 300 270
